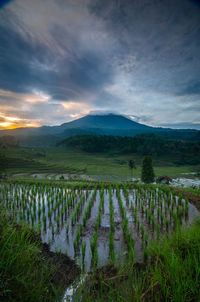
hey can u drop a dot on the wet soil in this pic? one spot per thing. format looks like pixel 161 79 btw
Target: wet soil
pixel 66 270
pixel 109 276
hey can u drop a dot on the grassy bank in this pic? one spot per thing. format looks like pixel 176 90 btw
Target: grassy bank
pixel 171 274
pixel 28 270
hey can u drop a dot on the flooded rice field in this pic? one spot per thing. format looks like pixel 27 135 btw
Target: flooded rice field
pixel 98 225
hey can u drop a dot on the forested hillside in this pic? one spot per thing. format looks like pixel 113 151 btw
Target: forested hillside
pixel 145 144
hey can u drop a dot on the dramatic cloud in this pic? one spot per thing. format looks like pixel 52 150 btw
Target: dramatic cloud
pixel 60 59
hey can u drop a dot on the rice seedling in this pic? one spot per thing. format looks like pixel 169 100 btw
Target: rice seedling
pixel 127 235
pixel 167 224
pixel 146 239
pixel 145 254
pixel 135 214
pixel 36 203
pixel 186 210
pixel 158 231
pixel 180 214
pixel 142 230
pixel 58 222
pixel 83 249
pixel 161 218
pixel 67 229
pixel 111 234
pixel 93 247
pixel 180 196
pixel 153 222
pixel 89 207
pixel 52 229
pixel 44 221
pixel 32 219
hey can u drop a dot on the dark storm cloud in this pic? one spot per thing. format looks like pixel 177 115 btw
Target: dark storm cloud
pixel 17 53
pixel 4 2
pixel 27 63
pixel 140 57
pixel 164 36
pixel 191 88
pixel 197 2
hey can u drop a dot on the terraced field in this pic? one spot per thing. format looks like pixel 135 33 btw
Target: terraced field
pixel 98 224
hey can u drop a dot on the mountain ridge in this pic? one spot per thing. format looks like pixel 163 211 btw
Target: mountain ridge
pixel 106 124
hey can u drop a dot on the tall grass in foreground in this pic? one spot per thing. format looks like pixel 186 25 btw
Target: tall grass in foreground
pixel 24 275
pixel 172 275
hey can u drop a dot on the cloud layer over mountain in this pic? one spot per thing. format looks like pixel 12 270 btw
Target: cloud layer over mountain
pixel 60 59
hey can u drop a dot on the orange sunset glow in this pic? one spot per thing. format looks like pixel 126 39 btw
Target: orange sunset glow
pixel 9 122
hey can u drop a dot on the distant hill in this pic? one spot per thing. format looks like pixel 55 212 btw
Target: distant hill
pixel 108 124
pixel 144 144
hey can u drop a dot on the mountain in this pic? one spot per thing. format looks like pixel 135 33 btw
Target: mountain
pixel 108 121
pixel 108 124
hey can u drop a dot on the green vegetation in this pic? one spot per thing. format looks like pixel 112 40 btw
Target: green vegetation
pixel 127 233
pixel 144 144
pixel 25 274
pixel 46 206
pixel 132 166
pixel 73 214
pixel 172 275
pixel 25 162
pixel 112 227
pixel 83 248
pixel 148 175
pixel 3 164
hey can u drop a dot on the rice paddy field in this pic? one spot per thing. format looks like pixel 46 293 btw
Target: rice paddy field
pixel 98 224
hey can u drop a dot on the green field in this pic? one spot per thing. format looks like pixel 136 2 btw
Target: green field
pixel 61 160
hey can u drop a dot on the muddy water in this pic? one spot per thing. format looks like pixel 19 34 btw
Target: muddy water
pixel 103 232
pixel 119 243
pixel 63 242
pixel 132 225
pixel 88 232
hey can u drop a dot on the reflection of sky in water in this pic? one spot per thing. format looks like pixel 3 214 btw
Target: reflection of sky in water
pixel 62 242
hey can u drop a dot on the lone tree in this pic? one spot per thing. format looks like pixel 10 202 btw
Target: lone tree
pixel 132 166
pixel 148 175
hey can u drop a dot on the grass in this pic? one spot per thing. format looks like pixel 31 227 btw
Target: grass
pixel 193 191
pixel 60 160
pixel 24 275
pixel 177 265
pixel 172 275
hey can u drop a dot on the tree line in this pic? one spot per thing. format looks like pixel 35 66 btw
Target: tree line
pixel 144 144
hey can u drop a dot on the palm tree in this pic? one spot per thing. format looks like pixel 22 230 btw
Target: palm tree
pixel 132 165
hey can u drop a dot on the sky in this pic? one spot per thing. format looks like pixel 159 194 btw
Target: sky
pixel 63 59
